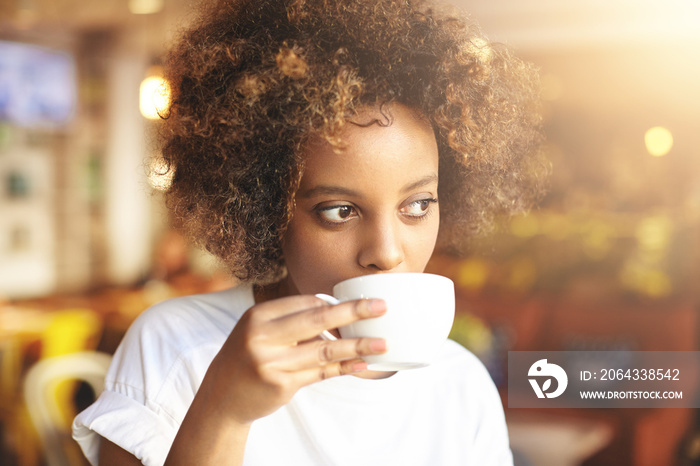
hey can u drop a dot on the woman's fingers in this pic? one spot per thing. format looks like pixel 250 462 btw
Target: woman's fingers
pixel 270 310
pixel 319 353
pixel 316 374
pixel 309 323
pixel 274 350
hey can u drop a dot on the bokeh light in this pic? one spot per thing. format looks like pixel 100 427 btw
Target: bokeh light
pixel 145 7
pixel 473 274
pixel 524 226
pixel 160 175
pixel 154 97
pixel 658 140
pixel 654 233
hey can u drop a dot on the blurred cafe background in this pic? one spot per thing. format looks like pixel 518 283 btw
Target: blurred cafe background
pixel 608 261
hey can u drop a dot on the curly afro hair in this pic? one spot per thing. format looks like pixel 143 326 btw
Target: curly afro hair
pixel 253 81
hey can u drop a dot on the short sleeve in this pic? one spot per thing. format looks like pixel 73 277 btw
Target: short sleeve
pixel 153 378
pixel 126 423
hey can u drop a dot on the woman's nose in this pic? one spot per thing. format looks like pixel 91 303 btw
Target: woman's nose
pixel 382 248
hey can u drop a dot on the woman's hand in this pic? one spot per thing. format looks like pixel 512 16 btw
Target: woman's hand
pixel 274 350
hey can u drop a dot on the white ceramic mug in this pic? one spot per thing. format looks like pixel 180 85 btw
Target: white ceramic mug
pixel 420 313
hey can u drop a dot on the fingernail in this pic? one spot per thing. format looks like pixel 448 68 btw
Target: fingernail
pixel 377 306
pixel 359 366
pixel 377 346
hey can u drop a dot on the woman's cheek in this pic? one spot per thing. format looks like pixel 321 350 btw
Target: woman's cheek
pixel 317 258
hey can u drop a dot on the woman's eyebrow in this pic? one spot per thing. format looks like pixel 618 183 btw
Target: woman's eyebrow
pixel 432 178
pixel 324 190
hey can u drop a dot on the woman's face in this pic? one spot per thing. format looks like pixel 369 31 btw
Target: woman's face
pixel 371 208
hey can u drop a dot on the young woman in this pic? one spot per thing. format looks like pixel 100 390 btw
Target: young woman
pixel 311 142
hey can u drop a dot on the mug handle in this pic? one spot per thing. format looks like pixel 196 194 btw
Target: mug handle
pixel 326 335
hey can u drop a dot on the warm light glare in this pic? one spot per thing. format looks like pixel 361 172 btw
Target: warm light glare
pixel 524 226
pixel 552 87
pixel 154 97
pixel 160 175
pixel 654 233
pixel 658 140
pixel 145 7
pixel 482 49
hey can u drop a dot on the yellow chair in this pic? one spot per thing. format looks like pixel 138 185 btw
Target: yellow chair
pixel 70 330
pixel 46 408
pixel 66 332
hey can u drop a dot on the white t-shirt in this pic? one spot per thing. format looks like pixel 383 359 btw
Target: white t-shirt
pixel 448 413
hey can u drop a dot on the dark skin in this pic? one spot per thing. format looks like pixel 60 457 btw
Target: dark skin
pixel 113 454
pixel 379 199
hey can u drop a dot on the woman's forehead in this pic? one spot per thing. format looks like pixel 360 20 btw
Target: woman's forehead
pixel 366 124
pixel 402 150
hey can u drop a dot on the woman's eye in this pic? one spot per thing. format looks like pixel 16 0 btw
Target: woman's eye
pixel 418 208
pixel 337 214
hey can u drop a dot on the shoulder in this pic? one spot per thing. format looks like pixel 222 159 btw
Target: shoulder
pixel 467 388
pixel 200 316
pixel 461 374
pixel 175 339
pixel 156 372
pixel 455 357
